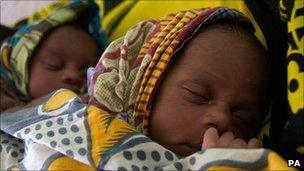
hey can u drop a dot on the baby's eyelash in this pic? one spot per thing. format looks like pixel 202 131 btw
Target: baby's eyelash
pixel 195 93
pixel 53 66
pixel 194 97
pixel 251 125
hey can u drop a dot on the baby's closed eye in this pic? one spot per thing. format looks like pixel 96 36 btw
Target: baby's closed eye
pixel 53 65
pixel 242 117
pixel 196 94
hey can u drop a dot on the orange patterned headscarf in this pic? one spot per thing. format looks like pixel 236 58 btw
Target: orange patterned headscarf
pixel 127 74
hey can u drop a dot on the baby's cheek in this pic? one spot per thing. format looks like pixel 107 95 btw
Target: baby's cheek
pixel 243 132
pixel 43 87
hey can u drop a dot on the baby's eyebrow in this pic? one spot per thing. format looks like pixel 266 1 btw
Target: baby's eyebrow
pixel 200 76
pixel 54 58
pixel 55 51
pixel 245 103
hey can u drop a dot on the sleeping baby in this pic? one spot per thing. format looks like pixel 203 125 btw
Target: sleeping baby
pixel 196 83
pixel 54 53
pixel 215 92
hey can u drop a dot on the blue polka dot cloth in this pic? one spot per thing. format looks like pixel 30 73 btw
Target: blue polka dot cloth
pixel 65 133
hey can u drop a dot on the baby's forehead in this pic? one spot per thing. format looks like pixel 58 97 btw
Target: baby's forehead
pixel 225 37
pixel 67 42
pixel 220 37
pixel 70 34
pixel 241 30
pixel 223 52
pixel 65 30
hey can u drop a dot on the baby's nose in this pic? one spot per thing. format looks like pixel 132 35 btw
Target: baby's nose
pixel 217 115
pixel 73 78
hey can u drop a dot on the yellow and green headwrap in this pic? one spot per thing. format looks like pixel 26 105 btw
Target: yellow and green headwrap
pixel 130 70
pixel 17 50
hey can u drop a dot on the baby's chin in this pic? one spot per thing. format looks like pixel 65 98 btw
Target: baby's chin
pixel 185 149
pixel 76 90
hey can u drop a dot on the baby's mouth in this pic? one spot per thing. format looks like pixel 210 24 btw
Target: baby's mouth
pixel 186 148
pixel 195 146
pixel 77 90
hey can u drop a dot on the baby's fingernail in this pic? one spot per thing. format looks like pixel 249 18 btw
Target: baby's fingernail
pixel 212 128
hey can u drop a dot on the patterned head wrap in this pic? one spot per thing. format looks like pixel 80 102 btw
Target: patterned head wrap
pixel 130 70
pixel 17 50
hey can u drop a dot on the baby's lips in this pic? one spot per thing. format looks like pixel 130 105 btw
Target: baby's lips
pixel 196 145
pixel 76 89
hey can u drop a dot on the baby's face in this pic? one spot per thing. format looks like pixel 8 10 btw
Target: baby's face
pixel 61 61
pixel 220 81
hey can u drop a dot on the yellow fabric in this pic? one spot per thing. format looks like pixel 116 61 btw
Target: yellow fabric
pixel 296 98
pixel 105 131
pixel 58 99
pixel 301 150
pixel 275 162
pixel 66 163
pixel 223 168
pixel 154 9
pixel 44 12
pixel 5 55
pixel 293 136
pixel 112 15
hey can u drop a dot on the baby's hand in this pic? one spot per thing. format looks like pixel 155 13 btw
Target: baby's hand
pixel 226 140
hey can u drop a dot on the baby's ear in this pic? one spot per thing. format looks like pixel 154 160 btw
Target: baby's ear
pixel 5 32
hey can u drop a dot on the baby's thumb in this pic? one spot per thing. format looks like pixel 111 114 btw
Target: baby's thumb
pixel 254 143
pixel 211 137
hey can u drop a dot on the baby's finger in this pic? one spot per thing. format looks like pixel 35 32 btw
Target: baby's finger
pixel 225 139
pixel 238 143
pixel 254 143
pixel 210 138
